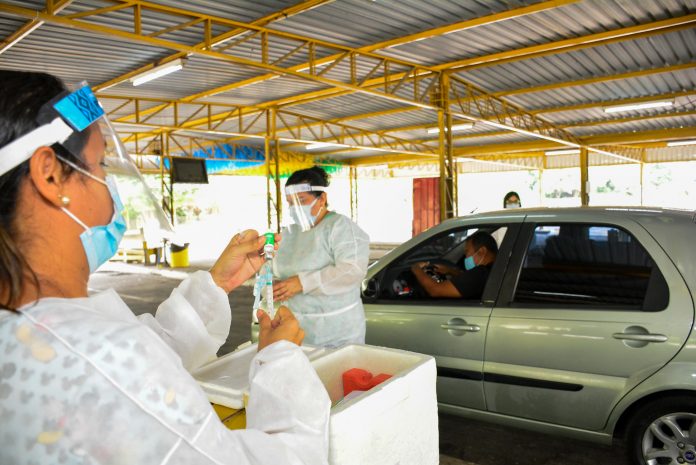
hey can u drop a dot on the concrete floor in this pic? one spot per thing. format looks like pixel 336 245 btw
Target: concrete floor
pixel 462 442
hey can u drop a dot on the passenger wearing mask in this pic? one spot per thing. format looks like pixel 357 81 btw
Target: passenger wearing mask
pixel 321 264
pixel 512 200
pixel 83 380
pixel 480 250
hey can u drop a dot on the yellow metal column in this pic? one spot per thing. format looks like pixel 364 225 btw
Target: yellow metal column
pixel 448 195
pixel 354 193
pixel 643 157
pixel 272 154
pixel 166 188
pixel 584 178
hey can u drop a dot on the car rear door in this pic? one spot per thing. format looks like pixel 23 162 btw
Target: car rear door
pixel 590 306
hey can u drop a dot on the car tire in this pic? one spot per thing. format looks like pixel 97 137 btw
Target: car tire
pixel 663 432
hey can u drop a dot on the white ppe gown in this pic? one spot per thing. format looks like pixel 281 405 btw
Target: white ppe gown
pixel 83 381
pixel 331 261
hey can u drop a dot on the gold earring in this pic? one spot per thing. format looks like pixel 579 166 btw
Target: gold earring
pixel 64 199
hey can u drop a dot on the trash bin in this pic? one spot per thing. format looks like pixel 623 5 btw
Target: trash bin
pixel 179 255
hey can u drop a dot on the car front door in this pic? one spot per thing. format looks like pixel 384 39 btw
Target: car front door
pixel 453 331
pixel 589 308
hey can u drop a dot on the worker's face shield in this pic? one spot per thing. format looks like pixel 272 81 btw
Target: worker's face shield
pixel 302 204
pixel 67 124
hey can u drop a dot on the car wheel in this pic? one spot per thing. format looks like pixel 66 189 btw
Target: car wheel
pixel 663 432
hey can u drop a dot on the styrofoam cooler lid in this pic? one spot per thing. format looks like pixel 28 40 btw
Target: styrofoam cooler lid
pixel 226 380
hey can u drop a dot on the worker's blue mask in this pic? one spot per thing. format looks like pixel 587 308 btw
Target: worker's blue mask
pixel 101 242
pixel 469 262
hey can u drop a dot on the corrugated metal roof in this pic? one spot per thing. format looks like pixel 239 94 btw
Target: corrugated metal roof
pixel 574 20
pixel 650 52
pixel 637 126
pixel 356 23
pixel 76 55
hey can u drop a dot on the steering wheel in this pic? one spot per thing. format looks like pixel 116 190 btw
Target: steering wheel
pixel 430 268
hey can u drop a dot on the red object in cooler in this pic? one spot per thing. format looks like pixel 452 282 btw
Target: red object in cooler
pixel 357 379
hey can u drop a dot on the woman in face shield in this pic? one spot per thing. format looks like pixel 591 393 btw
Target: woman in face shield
pixel 82 380
pixel 321 264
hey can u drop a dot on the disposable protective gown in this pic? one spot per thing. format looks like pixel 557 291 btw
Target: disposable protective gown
pixel 83 381
pixel 331 261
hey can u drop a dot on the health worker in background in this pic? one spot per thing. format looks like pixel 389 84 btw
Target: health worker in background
pixel 512 200
pixel 82 379
pixel 321 264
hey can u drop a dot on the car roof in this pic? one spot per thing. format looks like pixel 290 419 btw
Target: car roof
pixel 635 213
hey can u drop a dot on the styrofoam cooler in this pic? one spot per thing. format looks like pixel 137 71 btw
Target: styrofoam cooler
pixel 394 423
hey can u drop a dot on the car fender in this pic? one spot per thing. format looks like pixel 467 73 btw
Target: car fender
pixel 678 375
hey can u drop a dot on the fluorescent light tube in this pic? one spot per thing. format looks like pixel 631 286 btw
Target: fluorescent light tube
pixel 563 152
pixel 157 71
pixel 319 145
pixel 639 106
pixel 456 127
pixel 678 143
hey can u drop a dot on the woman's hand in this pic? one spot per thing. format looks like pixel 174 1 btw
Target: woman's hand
pixel 284 327
pixel 240 260
pixel 284 290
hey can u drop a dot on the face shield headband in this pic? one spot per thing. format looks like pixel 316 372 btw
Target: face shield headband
pixel 63 120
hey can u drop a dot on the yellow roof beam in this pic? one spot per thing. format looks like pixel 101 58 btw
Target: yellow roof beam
pixel 591 40
pixel 31 26
pixel 264 21
pixel 596 80
pixel 584 106
pixel 576 43
pixel 461 25
pixel 598 140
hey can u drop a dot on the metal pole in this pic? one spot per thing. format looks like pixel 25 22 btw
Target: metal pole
pixel 267 154
pixel 584 178
pixel 275 151
pixel 354 193
pixel 447 183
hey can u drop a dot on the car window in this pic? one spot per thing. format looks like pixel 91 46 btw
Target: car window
pixel 585 265
pixel 397 282
pixel 439 246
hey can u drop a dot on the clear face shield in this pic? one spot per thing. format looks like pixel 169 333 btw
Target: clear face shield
pixel 301 201
pixel 69 120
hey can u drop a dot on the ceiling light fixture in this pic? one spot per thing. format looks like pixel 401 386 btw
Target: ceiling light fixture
pixel 678 143
pixel 157 71
pixel 639 106
pixel 320 145
pixel 456 127
pixel 563 152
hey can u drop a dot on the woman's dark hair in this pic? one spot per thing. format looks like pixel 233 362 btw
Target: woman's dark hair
pixel 21 97
pixel 509 195
pixel 314 176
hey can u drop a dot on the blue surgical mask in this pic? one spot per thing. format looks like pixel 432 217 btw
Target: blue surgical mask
pixel 469 262
pixel 101 242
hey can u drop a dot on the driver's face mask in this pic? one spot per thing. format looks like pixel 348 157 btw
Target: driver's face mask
pixel 470 262
pixel 513 205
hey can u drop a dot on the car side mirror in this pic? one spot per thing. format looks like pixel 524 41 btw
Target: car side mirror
pixel 370 288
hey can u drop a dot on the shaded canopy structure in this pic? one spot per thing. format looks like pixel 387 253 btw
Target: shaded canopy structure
pixel 357 82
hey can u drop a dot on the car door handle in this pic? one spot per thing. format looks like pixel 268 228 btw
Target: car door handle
pixel 640 337
pixel 467 328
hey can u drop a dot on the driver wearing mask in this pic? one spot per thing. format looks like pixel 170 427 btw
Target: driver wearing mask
pixel 480 251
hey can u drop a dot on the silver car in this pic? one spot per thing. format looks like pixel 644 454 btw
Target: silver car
pixel 584 328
